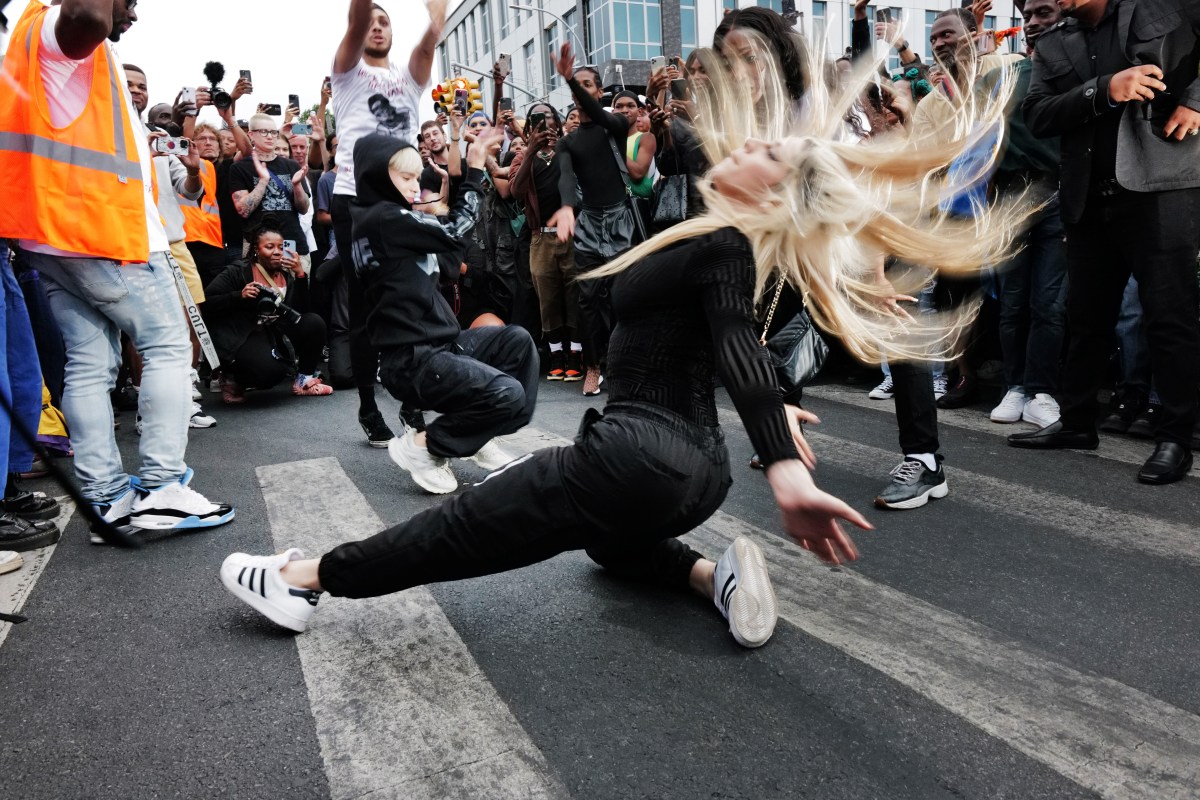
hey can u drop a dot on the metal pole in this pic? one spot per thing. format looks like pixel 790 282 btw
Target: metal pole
pixel 464 68
pixel 561 21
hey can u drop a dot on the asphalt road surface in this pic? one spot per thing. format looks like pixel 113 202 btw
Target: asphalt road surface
pixel 1033 635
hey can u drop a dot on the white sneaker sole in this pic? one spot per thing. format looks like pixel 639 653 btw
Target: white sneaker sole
pixel 1040 422
pixel 11 564
pixel 935 492
pixel 753 610
pixel 259 603
pixel 1004 419
pixel 398 456
pixel 877 395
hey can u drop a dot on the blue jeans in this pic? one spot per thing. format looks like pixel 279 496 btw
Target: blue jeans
pixel 94 300
pixel 1135 351
pixel 1033 305
pixel 20 375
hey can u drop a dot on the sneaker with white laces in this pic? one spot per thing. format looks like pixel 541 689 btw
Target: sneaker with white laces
pixel 428 471
pixel 1011 406
pixel 199 419
pixel 116 513
pixel 884 391
pixel 258 582
pixel 490 456
pixel 10 561
pixel 913 484
pixel 176 506
pixel 742 593
pixel 941 385
pixel 1042 410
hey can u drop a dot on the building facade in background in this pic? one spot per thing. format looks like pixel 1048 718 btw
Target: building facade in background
pixel 620 36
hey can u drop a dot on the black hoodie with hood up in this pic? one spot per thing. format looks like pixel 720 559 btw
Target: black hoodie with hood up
pixel 400 255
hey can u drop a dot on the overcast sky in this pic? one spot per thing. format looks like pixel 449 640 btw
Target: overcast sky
pixel 288 45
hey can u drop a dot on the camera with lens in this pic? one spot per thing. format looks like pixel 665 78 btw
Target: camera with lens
pixel 269 307
pixel 215 72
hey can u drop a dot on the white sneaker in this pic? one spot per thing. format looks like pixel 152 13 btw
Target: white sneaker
pixel 194 377
pixel 256 581
pixel 490 456
pixel 176 506
pixel 115 513
pixel 743 594
pixel 883 391
pixel 430 473
pixel 941 385
pixel 1042 410
pixel 1011 407
pixel 199 419
pixel 10 561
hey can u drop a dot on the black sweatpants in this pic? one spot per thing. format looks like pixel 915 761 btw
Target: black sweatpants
pixel 259 365
pixel 637 477
pixel 364 358
pixel 595 309
pixel 484 385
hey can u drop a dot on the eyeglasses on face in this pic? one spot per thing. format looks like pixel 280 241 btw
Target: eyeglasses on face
pixel 265 131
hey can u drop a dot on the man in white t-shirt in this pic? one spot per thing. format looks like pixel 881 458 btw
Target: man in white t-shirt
pixel 373 95
pixel 95 299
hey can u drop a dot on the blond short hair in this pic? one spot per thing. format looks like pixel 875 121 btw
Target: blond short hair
pixel 406 160
pixel 262 119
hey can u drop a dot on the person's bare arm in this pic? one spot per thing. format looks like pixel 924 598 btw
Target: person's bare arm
pixel 420 63
pixel 82 26
pixel 639 166
pixel 246 201
pixel 453 151
pixel 350 51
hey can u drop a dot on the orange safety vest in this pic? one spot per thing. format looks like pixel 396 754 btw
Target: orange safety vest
pixel 78 188
pixel 203 223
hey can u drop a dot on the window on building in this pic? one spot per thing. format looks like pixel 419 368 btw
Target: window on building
pixel 774 5
pixel 455 56
pixel 572 35
pixel 624 29
pixel 689 34
pixel 818 23
pixel 485 28
pixel 505 19
pixel 531 76
pixel 444 60
pixel 1016 42
pixel 930 16
pixel 550 45
pixel 473 37
pixel 730 4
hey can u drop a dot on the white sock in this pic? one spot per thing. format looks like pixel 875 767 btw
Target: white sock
pixel 556 347
pixel 576 347
pixel 928 459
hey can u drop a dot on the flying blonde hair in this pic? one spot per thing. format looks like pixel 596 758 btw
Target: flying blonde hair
pixel 847 205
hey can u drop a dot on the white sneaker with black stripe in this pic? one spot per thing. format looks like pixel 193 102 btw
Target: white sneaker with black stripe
pixel 258 582
pixel 115 513
pixel 177 506
pixel 743 594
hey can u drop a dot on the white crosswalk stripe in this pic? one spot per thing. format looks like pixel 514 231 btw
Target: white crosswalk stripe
pixel 15 587
pixel 1106 736
pixel 401 708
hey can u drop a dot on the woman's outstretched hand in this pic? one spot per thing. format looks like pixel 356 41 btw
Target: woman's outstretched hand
pixel 811 516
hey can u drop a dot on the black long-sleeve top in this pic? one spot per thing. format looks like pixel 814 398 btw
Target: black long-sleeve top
pixel 589 165
pixel 685 314
pixel 230 317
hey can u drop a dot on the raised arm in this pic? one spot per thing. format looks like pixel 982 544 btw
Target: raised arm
pixel 350 51
pixel 82 26
pixel 614 124
pixel 420 63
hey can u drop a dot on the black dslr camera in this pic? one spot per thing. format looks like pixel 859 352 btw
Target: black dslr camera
pixel 270 307
pixel 215 72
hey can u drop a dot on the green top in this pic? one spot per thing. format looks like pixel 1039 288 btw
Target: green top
pixel 645 186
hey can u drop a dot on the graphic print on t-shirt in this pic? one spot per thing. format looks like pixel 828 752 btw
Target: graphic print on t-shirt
pixel 392 121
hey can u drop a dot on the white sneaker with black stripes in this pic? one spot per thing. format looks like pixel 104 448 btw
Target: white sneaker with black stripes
pixel 257 581
pixel 743 594
pixel 176 506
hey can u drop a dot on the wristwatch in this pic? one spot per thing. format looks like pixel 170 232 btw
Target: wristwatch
pixel 901 46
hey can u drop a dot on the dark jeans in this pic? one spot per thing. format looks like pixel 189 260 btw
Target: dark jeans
pixel 1033 304
pixel 595 309
pixel 259 364
pixel 484 385
pixel 637 477
pixel 1155 237
pixel 364 358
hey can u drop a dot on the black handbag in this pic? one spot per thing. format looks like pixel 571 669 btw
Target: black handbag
pixel 670 200
pixel 796 350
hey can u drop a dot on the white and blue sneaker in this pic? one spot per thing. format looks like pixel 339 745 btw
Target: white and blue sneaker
pixel 742 592
pixel 115 513
pixel 176 506
pixel 257 581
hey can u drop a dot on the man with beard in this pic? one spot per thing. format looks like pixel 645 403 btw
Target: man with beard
pixel 95 235
pixel 364 80
pixel 1117 82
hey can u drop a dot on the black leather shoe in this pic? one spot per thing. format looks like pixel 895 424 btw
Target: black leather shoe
pixel 1170 462
pixel 1055 437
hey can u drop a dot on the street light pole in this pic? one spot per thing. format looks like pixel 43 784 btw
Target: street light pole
pixel 464 68
pixel 561 21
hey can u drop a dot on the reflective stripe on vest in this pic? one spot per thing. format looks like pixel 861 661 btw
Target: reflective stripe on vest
pixel 202 223
pixel 68 154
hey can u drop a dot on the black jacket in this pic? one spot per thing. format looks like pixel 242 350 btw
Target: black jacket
pixel 230 317
pixel 400 255
pixel 1066 100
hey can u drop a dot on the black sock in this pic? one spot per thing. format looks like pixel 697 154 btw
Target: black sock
pixel 366 401
pixel 10 487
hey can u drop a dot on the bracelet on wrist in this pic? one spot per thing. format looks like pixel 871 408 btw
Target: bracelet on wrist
pixel 901 46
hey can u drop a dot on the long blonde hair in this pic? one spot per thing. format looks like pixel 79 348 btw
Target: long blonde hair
pixel 848 205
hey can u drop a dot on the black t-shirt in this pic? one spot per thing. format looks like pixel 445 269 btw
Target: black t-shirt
pixel 431 181
pixel 231 221
pixel 277 209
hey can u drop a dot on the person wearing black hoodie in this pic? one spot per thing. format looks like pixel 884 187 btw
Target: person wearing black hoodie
pixel 482 381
